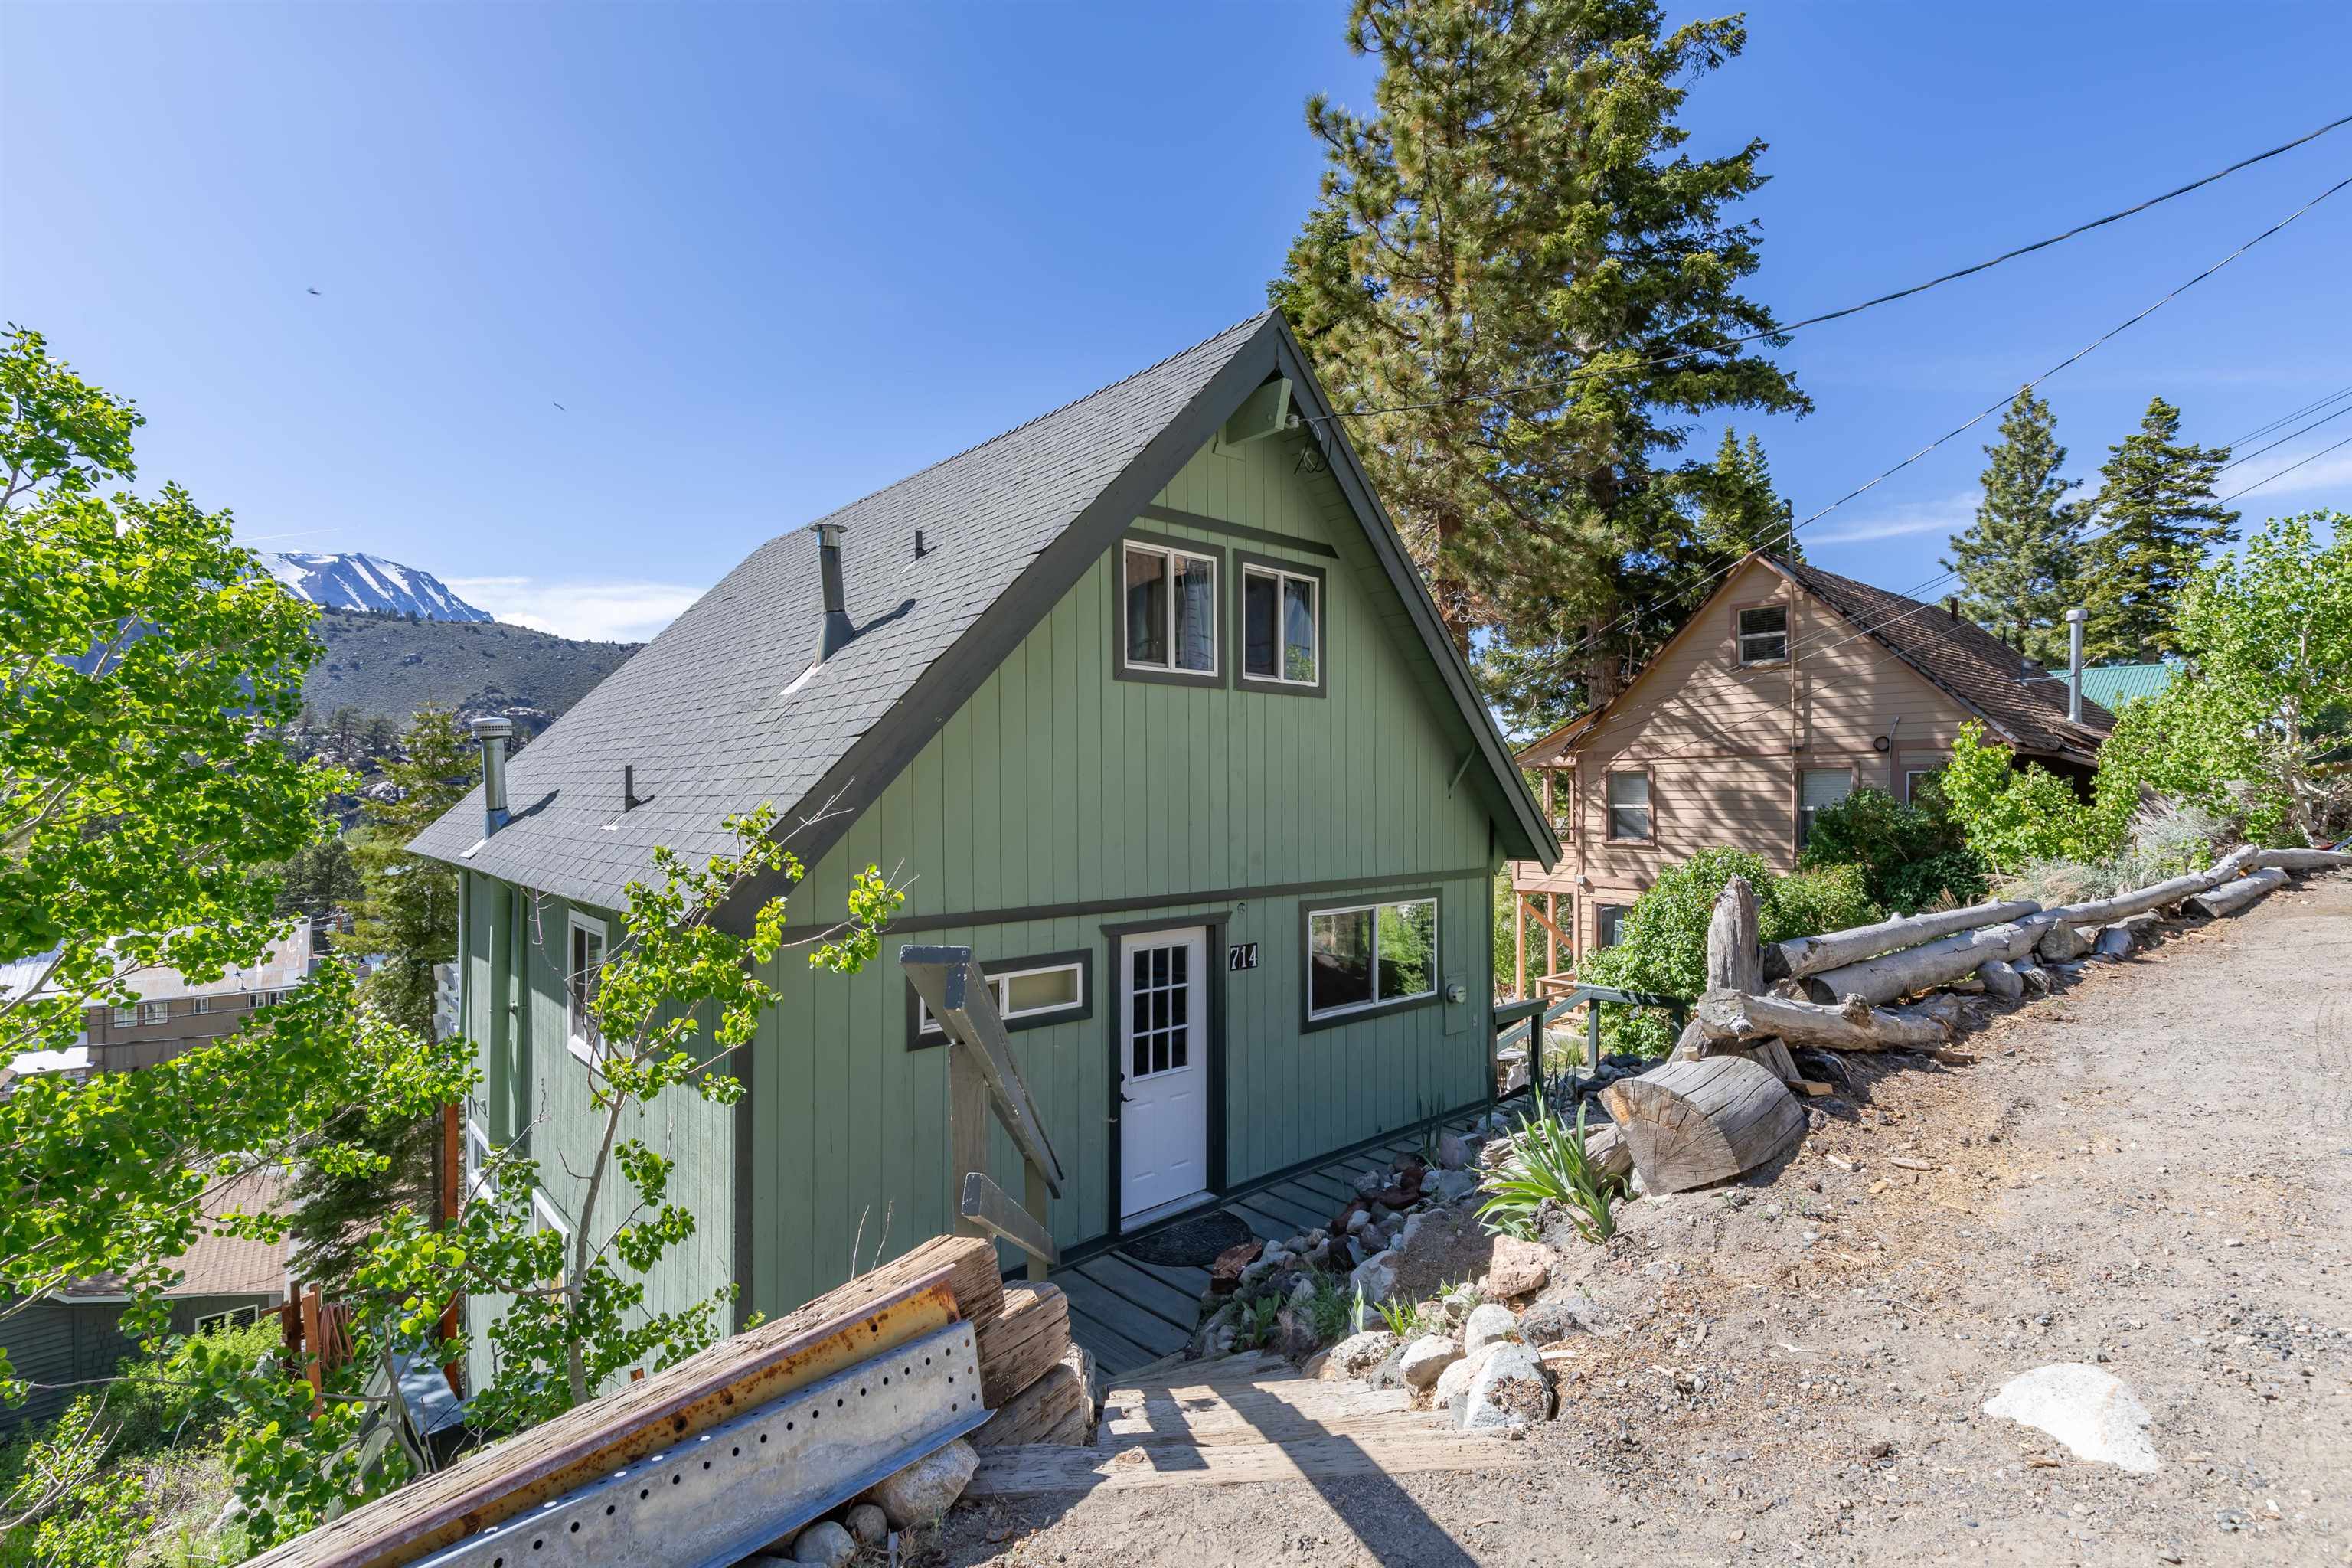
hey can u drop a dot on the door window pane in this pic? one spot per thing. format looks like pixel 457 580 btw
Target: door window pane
pixel 1339 959
pixel 1147 607
pixel 1408 951
pixel 1196 613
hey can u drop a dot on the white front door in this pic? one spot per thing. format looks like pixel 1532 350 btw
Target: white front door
pixel 1163 1025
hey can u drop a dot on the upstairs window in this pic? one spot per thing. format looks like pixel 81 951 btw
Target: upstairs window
pixel 1629 806
pixel 1764 635
pixel 1169 610
pixel 586 958
pixel 1282 625
pixel 1370 956
pixel 127 1017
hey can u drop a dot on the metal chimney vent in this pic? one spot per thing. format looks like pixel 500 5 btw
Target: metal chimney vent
pixel 2074 619
pixel 492 732
pixel 834 632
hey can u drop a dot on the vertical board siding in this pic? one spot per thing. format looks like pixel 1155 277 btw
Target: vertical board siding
pixel 1057 785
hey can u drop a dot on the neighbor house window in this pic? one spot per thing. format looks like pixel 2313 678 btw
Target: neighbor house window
pixel 202 1004
pixel 1169 597
pixel 1764 634
pixel 1029 992
pixel 1371 956
pixel 1818 788
pixel 234 1318
pixel 1629 805
pixel 127 1017
pixel 154 1012
pixel 1915 781
pixel 1606 919
pixel 1282 625
pixel 587 957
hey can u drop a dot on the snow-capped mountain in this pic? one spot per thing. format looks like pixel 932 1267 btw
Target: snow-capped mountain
pixel 366 583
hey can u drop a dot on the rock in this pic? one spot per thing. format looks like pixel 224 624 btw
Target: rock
pixel 1452 1153
pixel 2036 978
pixel 827 1543
pixel 869 1524
pixel 1516 1268
pixel 1375 1277
pixel 2115 942
pixel 1226 1273
pixel 1454 1381
pixel 2095 1414
pixel 1452 1187
pixel 2001 980
pixel 1489 1324
pixel 1360 1354
pixel 1411 1227
pixel 1390 1373
pixel 1512 1389
pixel 1367 1182
pixel 1426 1359
pixel 927 1488
pixel 1356 1222
pixel 1295 1338
pixel 1550 1320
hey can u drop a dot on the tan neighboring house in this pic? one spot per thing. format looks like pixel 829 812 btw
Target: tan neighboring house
pixel 1790 688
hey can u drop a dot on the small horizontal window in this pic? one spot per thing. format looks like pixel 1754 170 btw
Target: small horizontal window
pixel 1171 600
pixel 203 1004
pixel 154 1012
pixel 1281 626
pixel 1028 993
pixel 1370 956
pixel 1629 805
pixel 1764 634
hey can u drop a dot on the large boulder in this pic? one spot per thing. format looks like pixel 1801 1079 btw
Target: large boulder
pixel 1454 1381
pixel 1451 1186
pixel 1375 1277
pixel 1360 1355
pixel 1516 1268
pixel 1426 1359
pixel 1489 1324
pixel 2095 1414
pixel 927 1488
pixel 1511 1389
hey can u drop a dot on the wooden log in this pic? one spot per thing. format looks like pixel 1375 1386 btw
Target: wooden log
pixel 2301 860
pixel 1689 1123
pixel 1893 974
pixel 2232 897
pixel 1804 955
pixel 1730 1017
pixel 1019 1343
pixel 2139 901
pixel 1941 1010
pixel 1734 961
pixel 1047 1405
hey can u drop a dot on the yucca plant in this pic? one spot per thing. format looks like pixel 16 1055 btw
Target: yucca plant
pixel 1550 1162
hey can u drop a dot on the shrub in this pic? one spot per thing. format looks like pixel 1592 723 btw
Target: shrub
pixel 2012 815
pixel 1911 856
pixel 1549 1165
pixel 1662 942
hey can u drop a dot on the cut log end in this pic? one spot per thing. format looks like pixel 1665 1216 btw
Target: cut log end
pixel 1690 1123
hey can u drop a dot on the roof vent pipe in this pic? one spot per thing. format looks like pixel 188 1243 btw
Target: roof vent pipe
pixel 492 731
pixel 836 630
pixel 2074 619
pixel 1952 608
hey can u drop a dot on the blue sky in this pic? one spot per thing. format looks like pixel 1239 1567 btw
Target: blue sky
pixel 769 258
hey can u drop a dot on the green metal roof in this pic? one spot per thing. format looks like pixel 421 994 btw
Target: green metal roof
pixel 2113 685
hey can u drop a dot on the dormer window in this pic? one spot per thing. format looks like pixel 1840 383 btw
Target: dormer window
pixel 1280 627
pixel 1168 612
pixel 1764 635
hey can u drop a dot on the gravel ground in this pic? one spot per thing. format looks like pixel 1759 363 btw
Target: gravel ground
pixel 2147 1171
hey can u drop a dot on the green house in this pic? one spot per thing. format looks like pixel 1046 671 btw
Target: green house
pixel 1147 702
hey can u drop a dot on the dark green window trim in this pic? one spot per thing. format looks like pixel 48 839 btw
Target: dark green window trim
pixel 1309 909
pixel 1239 531
pixel 1119 668
pixel 1083 958
pixel 1244 681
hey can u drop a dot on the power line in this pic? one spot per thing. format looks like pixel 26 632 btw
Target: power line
pixel 2283 440
pixel 2291 468
pixel 2269 426
pixel 1976 418
pixel 1582 372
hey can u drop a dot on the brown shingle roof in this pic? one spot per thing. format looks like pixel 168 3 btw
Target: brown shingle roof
pixel 216 1264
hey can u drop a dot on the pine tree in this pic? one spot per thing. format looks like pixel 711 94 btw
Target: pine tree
pixel 2020 563
pixel 2159 520
pixel 1739 511
pixel 1501 251
pixel 407 921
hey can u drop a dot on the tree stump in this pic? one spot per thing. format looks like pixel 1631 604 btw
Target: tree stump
pixel 1689 1123
pixel 1734 961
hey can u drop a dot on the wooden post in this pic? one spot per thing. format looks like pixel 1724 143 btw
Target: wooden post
pixel 1520 925
pixel 1735 962
pixel 1551 934
pixel 967 1129
pixel 1034 1198
pixel 453 1162
pixel 314 1350
pixel 1592 1034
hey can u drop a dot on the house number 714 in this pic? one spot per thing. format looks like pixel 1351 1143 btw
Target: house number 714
pixel 1242 955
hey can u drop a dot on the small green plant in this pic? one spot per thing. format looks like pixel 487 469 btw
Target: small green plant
pixel 1329 1308
pixel 1404 1318
pixel 1551 1165
pixel 1256 1324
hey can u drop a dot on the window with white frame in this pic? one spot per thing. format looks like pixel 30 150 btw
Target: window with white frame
pixel 234 1318
pixel 1027 992
pixel 1282 625
pixel 546 1218
pixel 1629 805
pixel 154 1012
pixel 203 1004
pixel 127 1017
pixel 584 957
pixel 1366 956
pixel 1606 921
pixel 1764 634
pixel 1169 597
pixel 1818 788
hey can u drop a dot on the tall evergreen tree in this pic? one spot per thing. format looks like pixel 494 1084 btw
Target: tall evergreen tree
pixel 2159 519
pixel 406 919
pixel 1739 511
pixel 2020 563
pixel 1502 253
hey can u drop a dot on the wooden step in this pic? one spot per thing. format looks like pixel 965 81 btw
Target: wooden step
pixel 1281 1412
pixel 1023 1471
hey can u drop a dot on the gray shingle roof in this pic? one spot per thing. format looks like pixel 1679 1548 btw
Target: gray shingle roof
pixel 703 711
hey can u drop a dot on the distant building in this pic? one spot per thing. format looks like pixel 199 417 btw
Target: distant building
pixel 2113 685
pixel 171 1014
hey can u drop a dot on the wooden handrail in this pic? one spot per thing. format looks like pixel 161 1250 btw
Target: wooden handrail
pixel 957 994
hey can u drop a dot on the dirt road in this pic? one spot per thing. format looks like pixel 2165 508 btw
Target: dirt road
pixel 2152 1171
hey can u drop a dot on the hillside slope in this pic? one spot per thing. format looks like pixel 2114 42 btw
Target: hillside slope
pixel 390 666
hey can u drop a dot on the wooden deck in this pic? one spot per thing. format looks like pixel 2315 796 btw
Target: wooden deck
pixel 1129 1314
